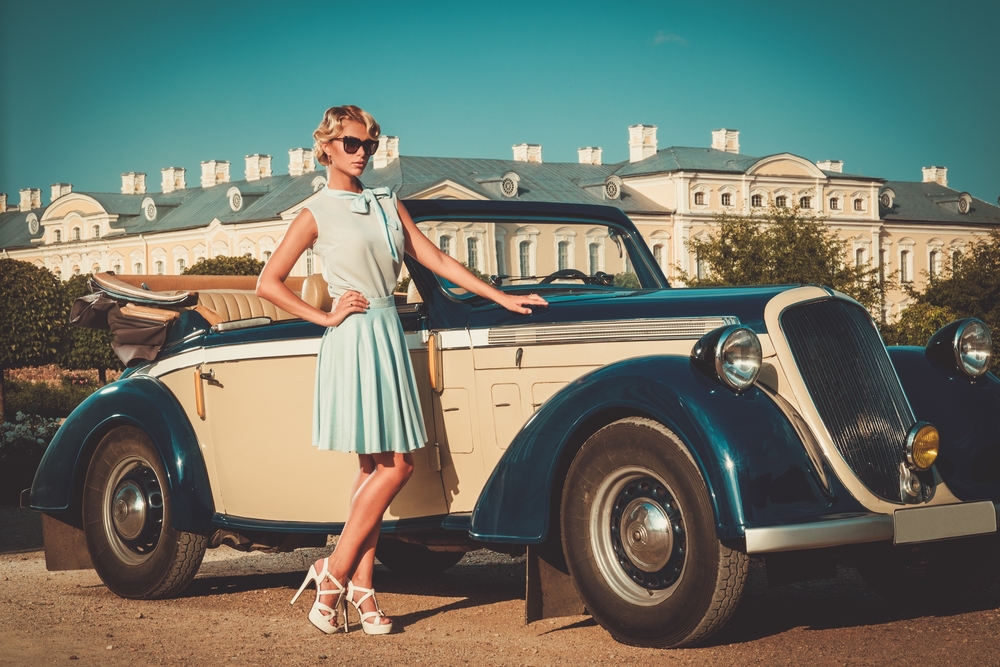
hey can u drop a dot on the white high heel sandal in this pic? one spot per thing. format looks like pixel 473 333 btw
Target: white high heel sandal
pixel 370 628
pixel 323 617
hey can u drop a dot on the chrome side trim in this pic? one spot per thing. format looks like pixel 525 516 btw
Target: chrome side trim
pixel 605 332
pixel 820 534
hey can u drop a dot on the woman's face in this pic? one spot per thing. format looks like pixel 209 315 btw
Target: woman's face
pixel 351 164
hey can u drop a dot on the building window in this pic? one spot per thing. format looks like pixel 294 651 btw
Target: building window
pixel 500 259
pixel 563 251
pixel 859 204
pixel 881 265
pixel 699 266
pixel 158 268
pixel 933 264
pixel 781 201
pixel 524 255
pixel 266 255
pixel 834 204
pixel 658 254
pixel 137 268
pixel 117 268
pixel 757 201
pixel 904 266
pixel 956 259
pixel 805 202
pixel 472 252
pixel 57 235
pixel 76 233
pixel 181 265
pixel 727 199
pixel 595 257
pixel 310 266
pixel 859 258
pixel 445 244
pixel 699 199
pixel 96 231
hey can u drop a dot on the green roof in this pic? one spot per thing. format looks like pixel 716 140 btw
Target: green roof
pixel 934 203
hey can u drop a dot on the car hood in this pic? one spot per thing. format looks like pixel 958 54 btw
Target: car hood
pixel 745 303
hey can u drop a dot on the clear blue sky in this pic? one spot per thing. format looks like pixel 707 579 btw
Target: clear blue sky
pixel 93 89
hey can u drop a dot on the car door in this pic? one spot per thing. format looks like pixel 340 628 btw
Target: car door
pixel 259 404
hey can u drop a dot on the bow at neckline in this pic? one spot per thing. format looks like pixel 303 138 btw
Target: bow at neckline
pixel 363 202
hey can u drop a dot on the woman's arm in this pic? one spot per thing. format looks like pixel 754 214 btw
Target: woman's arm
pixel 425 252
pixel 301 235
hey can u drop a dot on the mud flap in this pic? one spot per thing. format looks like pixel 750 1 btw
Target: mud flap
pixel 550 592
pixel 65 545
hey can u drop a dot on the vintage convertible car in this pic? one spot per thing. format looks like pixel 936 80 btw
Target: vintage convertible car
pixel 642 442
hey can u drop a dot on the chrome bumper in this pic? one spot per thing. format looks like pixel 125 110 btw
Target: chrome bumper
pixel 906 526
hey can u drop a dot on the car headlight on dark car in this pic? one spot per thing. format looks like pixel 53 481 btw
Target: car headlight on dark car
pixel 965 344
pixel 734 353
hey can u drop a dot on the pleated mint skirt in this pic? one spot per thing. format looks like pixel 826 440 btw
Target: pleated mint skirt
pixel 366 395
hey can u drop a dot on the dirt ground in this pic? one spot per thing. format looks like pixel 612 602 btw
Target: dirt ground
pixel 237 612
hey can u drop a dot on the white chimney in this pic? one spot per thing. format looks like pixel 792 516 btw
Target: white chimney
pixel 172 178
pixel 258 167
pixel 937 175
pixel 528 153
pixel 831 165
pixel 388 150
pixel 214 172
pixel 726 140
pixel 31 198
pixel 3 202
pixel 300 161
pixel 58 190
pixel 589 155
pixel 133 183
pixel 641 142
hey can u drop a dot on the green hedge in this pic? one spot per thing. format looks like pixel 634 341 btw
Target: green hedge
pixel 45 400
pixel 22 443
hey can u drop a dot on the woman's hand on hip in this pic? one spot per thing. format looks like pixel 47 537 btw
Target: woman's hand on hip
pixel 349 303
pixel 519 304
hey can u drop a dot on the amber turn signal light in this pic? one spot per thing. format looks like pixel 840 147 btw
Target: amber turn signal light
pixel 922 446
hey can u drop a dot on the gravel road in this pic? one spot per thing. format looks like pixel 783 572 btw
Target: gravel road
pixel 237 612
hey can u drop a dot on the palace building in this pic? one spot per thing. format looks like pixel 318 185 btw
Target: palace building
pixel 912 229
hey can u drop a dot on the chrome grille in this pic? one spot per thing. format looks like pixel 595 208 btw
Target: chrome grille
pixel 607 332
pixel 854 386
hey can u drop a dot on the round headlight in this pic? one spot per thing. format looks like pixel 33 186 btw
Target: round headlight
pixel 973 348
pixel 922 446
pixel 738 357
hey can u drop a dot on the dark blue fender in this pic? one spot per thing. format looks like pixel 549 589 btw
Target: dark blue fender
pixel 967 416
pixel 140 401
pixel 756 468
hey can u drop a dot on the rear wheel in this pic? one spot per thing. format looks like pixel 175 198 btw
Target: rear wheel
pixel 638 533
pixel 414 559
pixel 126 517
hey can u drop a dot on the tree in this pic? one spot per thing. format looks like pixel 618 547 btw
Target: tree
pixel 33 325
pixel 87 348
pixel 968 288
pixel 226 266
pixel 783 246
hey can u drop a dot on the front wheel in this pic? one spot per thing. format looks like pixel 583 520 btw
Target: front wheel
pixel 126 519
pixel 638 532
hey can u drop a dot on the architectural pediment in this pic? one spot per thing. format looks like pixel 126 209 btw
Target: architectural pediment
pixel 785 164
pixel 75 202
pixel 446 189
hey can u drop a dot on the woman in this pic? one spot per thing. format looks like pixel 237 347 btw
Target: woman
pixel 360 235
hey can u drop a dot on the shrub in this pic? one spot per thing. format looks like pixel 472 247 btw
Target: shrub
pixel 22 444
pixel 226 266
pixel 46 400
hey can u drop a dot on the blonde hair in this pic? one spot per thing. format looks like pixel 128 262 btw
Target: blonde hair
pixel 333 124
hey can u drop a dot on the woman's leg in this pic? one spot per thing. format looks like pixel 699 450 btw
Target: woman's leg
pixel 354 556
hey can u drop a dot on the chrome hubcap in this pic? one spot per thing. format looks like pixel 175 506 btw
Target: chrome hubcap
pixel 133 516
pixel 638 535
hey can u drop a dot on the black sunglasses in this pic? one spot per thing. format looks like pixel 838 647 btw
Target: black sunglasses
pixel 352 144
